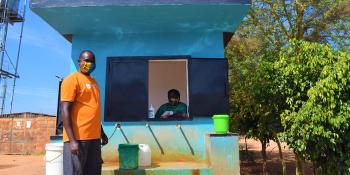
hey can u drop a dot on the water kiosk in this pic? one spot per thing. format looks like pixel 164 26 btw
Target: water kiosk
pixel 143 49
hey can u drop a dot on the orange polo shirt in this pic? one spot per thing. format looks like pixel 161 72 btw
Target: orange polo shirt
pixel 84 93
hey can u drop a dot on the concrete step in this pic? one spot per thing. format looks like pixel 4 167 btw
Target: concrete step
pixel 168 168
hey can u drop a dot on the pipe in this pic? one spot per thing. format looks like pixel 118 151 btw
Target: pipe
pixel 183 134
pixel 155 138
pixel 119 127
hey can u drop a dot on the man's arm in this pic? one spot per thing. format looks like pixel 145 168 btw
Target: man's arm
pixel 104 136
pixel 159 113
pixel 182 113
pixel 67 124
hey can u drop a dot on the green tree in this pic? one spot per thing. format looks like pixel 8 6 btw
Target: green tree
pixel 268 28
pixel 276 22
pixel 315 79
pixel 253 102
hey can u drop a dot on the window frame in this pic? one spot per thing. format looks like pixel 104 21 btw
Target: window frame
pixel 162 58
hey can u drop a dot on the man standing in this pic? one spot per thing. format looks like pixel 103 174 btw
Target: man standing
pixel 81 115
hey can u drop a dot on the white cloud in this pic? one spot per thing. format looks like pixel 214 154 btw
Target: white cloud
pixel 36 92
pixel 33 38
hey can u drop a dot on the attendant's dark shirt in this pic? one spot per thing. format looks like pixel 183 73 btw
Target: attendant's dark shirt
pixel 179 108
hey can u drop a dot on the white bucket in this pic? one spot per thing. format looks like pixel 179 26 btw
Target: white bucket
pixel 144 155
pixel 54 158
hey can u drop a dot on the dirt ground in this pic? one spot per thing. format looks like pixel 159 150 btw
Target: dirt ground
pixel 251 162
pixel 22 165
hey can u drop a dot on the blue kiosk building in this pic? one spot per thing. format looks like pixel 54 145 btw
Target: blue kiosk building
pixel 144 48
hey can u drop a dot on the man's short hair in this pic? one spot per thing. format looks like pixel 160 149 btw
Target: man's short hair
pixel 173 93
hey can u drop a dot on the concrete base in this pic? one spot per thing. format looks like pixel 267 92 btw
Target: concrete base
pixel 169 168
pixel 223 153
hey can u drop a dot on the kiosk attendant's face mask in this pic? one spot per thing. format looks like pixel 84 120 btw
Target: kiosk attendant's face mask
pixel 87 67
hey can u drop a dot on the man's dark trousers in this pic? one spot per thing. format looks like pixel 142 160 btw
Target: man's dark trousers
pixel 87 162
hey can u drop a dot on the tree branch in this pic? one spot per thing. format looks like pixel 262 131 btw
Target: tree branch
pixel 278 19
pixel 289 19
pixel 299 22
pixel 260 25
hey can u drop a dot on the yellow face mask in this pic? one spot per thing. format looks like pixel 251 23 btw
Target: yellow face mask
pixel 87 67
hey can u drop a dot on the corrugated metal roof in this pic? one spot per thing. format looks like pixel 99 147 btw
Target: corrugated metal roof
pixel 25 114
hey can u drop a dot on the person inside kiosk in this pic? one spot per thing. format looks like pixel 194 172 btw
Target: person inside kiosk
pixel 174 109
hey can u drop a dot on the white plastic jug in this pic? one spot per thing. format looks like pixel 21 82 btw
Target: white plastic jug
pixel 144 155
pixel 54 158
pixel 151 113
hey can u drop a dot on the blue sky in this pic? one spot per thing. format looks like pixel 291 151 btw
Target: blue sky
pixel 45 54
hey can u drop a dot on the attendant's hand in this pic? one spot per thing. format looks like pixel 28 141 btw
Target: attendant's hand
pixel 165 116
pixel 180 115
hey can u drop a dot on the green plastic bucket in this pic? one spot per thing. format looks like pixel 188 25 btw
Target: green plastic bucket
pixel 221 124
pixel 128 156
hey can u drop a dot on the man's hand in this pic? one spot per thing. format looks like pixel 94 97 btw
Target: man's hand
pixel 181 115
pixel 74 147
pixel 67 124
pixel 165 116
pixel 104 139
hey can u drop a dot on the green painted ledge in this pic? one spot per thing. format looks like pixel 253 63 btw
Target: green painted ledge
pixel 175 168
pixel 207 171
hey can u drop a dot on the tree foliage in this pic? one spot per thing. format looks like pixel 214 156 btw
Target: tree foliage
pixel 254 103
pixel 264 83
pixel 275 22
pixel 315 79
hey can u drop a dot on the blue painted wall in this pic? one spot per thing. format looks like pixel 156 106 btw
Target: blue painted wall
pixel 198 45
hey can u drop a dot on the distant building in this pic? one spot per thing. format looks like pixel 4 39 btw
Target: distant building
pixel 25 133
